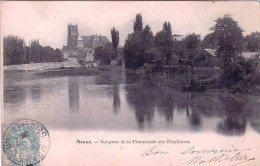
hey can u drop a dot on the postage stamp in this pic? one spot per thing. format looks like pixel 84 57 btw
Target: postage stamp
pixel 26 142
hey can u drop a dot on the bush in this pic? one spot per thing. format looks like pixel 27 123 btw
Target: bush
pixel 240 75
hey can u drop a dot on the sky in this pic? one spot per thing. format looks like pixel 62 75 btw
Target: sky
pixel 47 21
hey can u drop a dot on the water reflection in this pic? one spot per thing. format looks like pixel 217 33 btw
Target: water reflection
pixel 116 99
pixel 233 111
pixel 115 81
pixel 73 90
pixel 35 91
pixel 14 94
pixel 143 103
pixel 106 104
pixel 235 117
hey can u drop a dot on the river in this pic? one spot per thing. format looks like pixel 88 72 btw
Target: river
pixel 112 102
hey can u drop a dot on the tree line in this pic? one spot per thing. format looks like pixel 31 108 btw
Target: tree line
pixel 161 53
pixel 16 52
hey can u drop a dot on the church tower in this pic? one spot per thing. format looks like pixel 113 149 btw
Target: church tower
pixel 72 36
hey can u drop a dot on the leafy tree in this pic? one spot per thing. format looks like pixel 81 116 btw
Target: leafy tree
pixel 138 23
pixel 147 38
pixel 229 39
pixel 192 45
pixel 253 42
pixel 240 75
pixel 115 39
pixel 133 51
pixel 163 41
pixel 209 41
pixel 135 47
pixel 13 50
pixel 179 49
pixel 152 55
pixel 105 53
pixel 16 52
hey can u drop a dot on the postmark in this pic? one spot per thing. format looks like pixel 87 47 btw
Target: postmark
pixel 26 142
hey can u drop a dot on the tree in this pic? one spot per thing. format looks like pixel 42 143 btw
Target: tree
pixel 253 42
pixel 209 41
pixel 13 50
pixel 16 52
pixel 151 55
pixel 104 53
pixel 229 39
pixel 192 45
pixel 241 75
pixel 163 41
pixel 135 47
pixel 137 43
pixel 115 39
pixel 138 23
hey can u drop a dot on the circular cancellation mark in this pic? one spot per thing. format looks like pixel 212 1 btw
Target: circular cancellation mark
pixel 26 142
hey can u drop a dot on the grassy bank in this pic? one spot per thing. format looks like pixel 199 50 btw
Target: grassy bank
pixel 102 69
pixel 69 72
pixel 208 78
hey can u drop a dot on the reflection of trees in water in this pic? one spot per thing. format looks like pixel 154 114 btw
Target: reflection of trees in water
pixel 236 113
pixel 116 98
pixel 165 103
pixel 15 94
pixel 143 102
pixel 115 79
pixel 232 109
pixel 254 120
pixel 192 111
pixel 35 92
pixel 73 89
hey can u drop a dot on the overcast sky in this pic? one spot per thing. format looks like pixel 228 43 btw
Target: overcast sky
pixel 48 21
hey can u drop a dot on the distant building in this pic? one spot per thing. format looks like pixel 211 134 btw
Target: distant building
pixel 72 37
pixel 80 42
pixel 72 56
pixel 81 48
pixel 251 55
pixel 210 58
pixel 94 41
pixel 76 41
pixel 177 37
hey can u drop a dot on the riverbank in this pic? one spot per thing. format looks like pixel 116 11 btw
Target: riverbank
pixel 207 78
pixel 69 72
pixel 42 66
pixel 82 71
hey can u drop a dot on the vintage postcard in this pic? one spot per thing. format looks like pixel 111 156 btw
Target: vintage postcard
pixel 141 83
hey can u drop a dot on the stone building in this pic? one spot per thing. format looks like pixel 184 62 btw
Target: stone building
pixel 177 37
pixel 82 47
pixel 76 41
pixel 72 37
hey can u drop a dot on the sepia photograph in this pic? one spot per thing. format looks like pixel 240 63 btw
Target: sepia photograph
pixel 171 83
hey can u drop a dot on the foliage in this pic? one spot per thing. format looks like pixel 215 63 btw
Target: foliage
pixel 16 52
pixel 241 75
pixel 229 39
pixel 209 41
pixel 13 50
pixel 253 42
pixel 105 53
pixel 115 39
pixel 192 45
pixel 135 47
pixel 163 41
pixel 151 55
pixel 138 23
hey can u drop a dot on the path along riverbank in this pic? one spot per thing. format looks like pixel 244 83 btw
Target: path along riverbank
pixel 42 66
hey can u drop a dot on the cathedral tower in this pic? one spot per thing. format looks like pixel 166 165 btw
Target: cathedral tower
pixel 72 36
